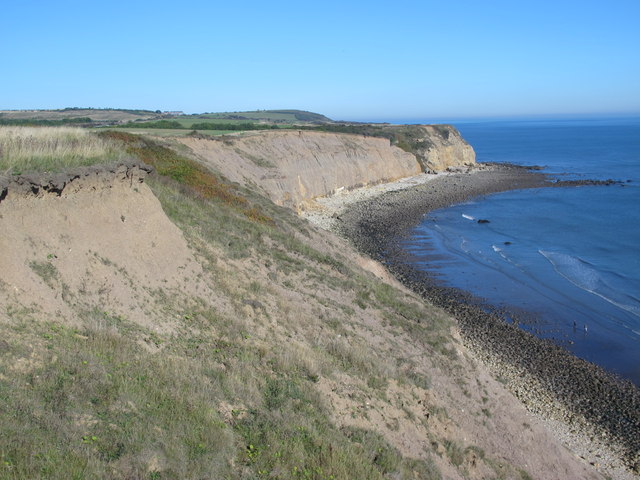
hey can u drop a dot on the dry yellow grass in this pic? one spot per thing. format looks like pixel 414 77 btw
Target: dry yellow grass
pixel 25 149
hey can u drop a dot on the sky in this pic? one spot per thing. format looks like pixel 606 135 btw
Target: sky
pixel 357 60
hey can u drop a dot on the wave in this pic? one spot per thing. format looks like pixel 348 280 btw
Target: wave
pixel 606 285
pixel 468 217
pixel 512 261
pixel 505 257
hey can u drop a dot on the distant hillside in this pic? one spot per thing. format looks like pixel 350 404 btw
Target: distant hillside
pixel 273 116
pixel 97 117
pixel 75 115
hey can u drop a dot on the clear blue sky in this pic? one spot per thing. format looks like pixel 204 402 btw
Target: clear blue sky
pixel 355 60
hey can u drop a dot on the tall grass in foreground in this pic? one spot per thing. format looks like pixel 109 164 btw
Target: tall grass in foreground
pixel 52 149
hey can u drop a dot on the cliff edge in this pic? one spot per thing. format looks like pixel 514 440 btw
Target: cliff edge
pixel 294 167
pixel 436 147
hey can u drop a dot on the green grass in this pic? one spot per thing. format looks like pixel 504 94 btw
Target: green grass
pixel 45 270
pixel 454 452
pixel 168 132
pixel 95 405
pixel 177 124
pixel 279 116
pixel 53 149
pixel 184 170
pixel 187 122
pixel 80 121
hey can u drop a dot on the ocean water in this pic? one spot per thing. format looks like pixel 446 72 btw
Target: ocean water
pixel 565 261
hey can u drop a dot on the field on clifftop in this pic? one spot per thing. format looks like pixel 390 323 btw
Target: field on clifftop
pixel 176 325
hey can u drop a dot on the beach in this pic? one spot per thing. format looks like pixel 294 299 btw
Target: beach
pixel 592 410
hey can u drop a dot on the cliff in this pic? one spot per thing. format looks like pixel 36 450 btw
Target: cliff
pixel 250 345
pixel 68 238
pixel 437 147
pixel 294 167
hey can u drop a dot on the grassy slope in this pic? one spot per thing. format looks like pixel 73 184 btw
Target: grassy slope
pixel 236 394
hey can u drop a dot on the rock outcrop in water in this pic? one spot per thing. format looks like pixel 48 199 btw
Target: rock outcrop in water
pixel 294 167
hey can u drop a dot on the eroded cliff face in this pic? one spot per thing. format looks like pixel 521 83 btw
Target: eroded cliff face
pixel 440 147
pixel 96 234
pixel 294 167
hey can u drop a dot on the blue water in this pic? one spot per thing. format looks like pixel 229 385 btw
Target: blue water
pixel 570 257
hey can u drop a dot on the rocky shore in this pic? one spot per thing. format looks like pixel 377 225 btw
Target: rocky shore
pixel 593 411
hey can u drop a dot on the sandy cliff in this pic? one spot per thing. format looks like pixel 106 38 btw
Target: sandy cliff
pixel 440 147
pixel 97 231
pixel 294 167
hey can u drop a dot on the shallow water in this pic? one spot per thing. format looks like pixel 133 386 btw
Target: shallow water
pixel 568 256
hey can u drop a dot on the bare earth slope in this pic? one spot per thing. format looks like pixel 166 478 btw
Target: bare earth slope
pixel 294 167
pixel 87 242
pixel 275 335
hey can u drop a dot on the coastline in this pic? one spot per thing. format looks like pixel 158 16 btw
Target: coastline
pixel 591 410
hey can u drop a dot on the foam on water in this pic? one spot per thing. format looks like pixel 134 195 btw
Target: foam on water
pixel 570 256
pixel 585 276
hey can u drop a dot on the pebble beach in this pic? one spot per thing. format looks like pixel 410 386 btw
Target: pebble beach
pixel 594 412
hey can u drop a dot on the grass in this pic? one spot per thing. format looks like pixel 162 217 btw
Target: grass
pixel 169 132
pixel 288 433
pixel 454 452
pixel 94 404
pixel 52 149
pixel 276 116
pixel 185 171
pixel 86 408
pixel 71 115
pixel 45 270
pixel 177 124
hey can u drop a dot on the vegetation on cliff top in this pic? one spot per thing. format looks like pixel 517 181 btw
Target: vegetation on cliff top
pixel 410 138
pixel 100 116
pixel 37 149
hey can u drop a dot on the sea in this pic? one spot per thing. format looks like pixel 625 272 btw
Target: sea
pixel 566 260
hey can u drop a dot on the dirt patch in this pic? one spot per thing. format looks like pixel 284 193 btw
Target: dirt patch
pixel 94 238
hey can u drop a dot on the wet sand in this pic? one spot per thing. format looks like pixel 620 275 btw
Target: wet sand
pixel 595 412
